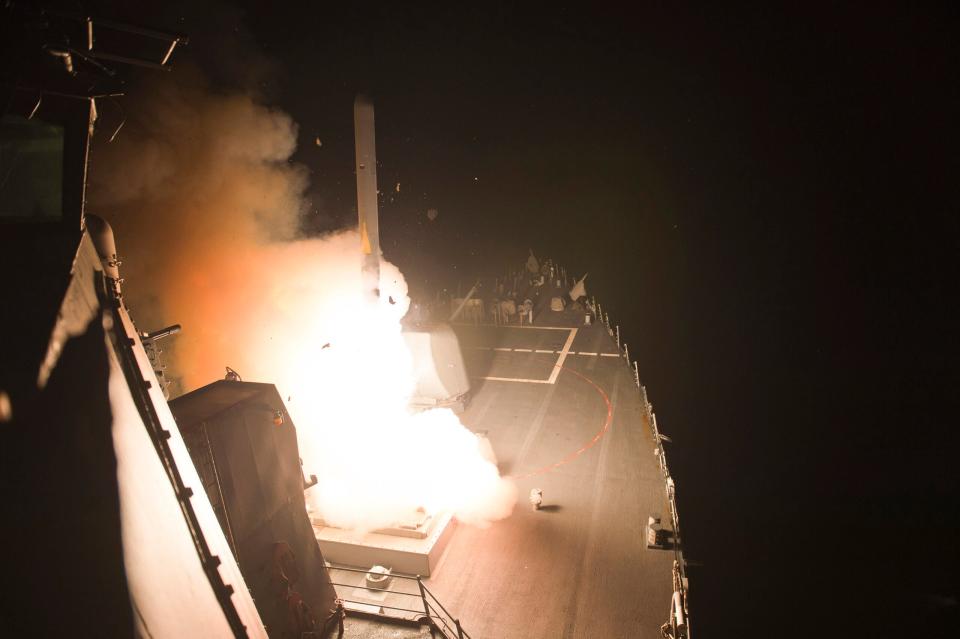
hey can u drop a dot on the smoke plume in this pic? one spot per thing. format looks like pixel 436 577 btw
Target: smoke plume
pixel 205 205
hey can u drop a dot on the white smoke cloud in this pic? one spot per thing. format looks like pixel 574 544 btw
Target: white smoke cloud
pixel 205 206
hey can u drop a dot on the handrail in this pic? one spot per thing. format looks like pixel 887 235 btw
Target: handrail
pixel 678 624
pixel 461 634
pixel 434 616
pixel 123 345
pixel 679 621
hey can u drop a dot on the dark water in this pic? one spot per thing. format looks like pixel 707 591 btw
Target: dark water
pixel 809 407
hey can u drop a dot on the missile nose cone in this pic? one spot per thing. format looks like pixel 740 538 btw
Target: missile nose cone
pixel 363 100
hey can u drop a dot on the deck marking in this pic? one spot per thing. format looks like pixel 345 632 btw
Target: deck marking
pixel 477 412
pixel 569 458
pixel 609 354
pixel 517 379
pixel 578 603
pixel 592 364
pixel 525 326
pixel 585 353
pixel 563 356
pixel 540 350
pixel 534 429
pixel 545 328
pixel 556 367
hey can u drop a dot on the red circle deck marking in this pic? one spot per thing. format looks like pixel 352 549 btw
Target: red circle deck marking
pixel 569 458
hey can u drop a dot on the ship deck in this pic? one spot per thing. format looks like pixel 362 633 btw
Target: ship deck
pixel 563 414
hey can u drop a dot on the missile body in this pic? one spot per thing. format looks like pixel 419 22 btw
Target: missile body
pixel 367 210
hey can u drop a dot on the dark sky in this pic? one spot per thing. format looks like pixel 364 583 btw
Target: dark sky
pixel 766 203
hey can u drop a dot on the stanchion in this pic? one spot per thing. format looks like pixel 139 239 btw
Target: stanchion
pixel 423 596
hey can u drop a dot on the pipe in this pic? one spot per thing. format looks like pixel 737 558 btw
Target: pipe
pixel 173 329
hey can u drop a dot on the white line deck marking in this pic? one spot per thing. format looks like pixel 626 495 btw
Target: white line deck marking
pixel 518 379
pixel 543 328
pixel 563 356
pixel 504 349
pixel 556 367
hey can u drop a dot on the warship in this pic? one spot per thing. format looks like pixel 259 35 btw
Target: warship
pixel 137 514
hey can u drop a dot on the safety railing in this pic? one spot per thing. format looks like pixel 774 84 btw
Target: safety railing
pixel 411 602
pixel 509 287
pixel 678 624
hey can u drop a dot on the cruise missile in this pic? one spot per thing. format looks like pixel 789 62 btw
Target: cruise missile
pixel 367 212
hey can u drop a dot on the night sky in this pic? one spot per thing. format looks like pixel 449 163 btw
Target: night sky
pixel 766 205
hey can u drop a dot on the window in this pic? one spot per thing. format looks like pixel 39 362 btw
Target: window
pixel 31 169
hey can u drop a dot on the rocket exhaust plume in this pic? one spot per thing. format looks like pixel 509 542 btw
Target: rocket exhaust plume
pixel 206 206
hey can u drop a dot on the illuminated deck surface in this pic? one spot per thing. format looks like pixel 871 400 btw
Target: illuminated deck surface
pixel 580 566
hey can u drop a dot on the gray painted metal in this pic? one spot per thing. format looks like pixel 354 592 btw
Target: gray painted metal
pixel 441 377
pixel 578 567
